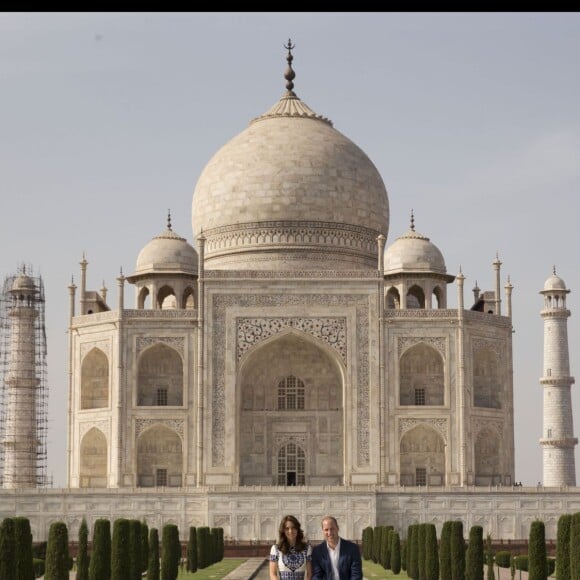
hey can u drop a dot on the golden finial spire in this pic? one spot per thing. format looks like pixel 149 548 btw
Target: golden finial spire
pixel 289 74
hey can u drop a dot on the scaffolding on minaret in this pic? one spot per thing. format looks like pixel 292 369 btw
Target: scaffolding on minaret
pixel 23 384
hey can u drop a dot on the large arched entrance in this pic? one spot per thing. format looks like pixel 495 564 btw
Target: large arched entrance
pixel 291 414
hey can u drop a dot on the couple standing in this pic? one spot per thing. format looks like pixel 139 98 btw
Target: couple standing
pixel 293 558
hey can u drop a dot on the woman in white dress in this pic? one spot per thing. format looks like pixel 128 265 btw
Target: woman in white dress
pixel 291 555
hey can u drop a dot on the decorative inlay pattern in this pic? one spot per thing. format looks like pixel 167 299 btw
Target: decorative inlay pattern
pixel 173 424
pixel 164 314
pixel 175 342
pixel 103 426
pixel 283 438
pixel 493 345
pixel 290 275
pixel 437 342
pixel 222 520
pixel 482 423
pixel 221 303
pixel 440 425
pixel 103 345
pixel 254 235
pixel 251 331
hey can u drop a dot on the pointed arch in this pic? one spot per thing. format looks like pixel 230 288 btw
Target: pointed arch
pixel 421 376
pixel 393 299
pixel 487 379
pixel 160 377
pixel 317 427
pixel 159 457
pixel 416 297
pixel 438 297
pixel 95 380
pixel 166 299
pixel 422 457
pixel 487 458
pixel 93 459
pixel 143 300
pixel 188 301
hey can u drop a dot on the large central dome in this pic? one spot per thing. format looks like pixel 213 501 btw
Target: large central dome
pixel 290 192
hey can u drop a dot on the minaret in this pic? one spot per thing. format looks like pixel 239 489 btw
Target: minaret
pixel 558 439
pixel 21 439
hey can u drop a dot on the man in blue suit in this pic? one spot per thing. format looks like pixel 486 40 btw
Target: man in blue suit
pixel 335 558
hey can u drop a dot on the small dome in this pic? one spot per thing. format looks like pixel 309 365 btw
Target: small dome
pixel 554 282
pixel 413 252
pixel 23 283
pixel 167 253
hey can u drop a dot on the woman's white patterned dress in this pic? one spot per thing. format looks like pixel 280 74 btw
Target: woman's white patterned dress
pixel 291 566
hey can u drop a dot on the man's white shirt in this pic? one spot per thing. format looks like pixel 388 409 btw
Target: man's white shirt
pixel 334 556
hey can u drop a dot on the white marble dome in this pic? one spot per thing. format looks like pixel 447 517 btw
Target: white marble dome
pixel 290 192
pixel 413 252
pixel 554 282
pixel 22 283
pixel 167 253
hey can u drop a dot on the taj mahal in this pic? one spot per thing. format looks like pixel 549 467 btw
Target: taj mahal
pixel 296 357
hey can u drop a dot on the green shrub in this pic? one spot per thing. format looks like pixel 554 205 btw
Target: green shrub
pixel 170 552
pixel 412 552
pixel 457 551
pixel 7 550
pixel 404 556
pixel 563 546
pixel 203 547
pixel 120 550
pixel 521 562
pixel 57 556
pixel 144 545
pixel 474 555
pixel 421 540
pixel 134 550
pixel 538 565
pixel 489 558
pixel 100 561
pixel 367 543
pixel 395 552
pixel 575 546
pixel 503 558
pixel 377 541
pixel 384 560
pixel 214 545
pixel 551 566
pixel 445 550
pixel 153 563
pixel 431 553
pixel 192 550
pixel 22 550
pixel 39 567
pixel 82 552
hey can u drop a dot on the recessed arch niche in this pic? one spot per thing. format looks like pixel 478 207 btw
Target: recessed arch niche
pixel 95 380
pixel 422 457
pixel 93 459
pixel 159 458
pixel 264 427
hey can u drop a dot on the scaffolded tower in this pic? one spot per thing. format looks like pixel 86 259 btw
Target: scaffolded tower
pixel 23 390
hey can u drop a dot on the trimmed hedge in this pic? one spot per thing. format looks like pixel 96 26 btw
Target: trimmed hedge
pixel 23 550
pixel 538 564
pixel 503 558
pixel 575 546
pixel 134 550
pixel 57 557
pixel 7 550
pixel 563 546
pixel 100 562
pixel 457 551
pixel 153 564
pixel 192 550
pixel 82 552
pixel 522 562
pixel 445 550
pixel 395 552
pixel 170 552
pixel 144 546
pixel 474 555
pixel 120 550
pixel 431 553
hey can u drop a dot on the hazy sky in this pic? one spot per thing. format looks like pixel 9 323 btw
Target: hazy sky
pixel 107 119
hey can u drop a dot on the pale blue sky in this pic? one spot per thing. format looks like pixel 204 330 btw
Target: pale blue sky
pixel 107 119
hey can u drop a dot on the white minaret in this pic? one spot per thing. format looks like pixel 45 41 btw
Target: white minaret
pixel 558 439
pixel 20 439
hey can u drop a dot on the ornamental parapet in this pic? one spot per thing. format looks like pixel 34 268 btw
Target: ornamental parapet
pixel 555 313
pixel 564 442
pixel 113 315
pixel 451 314
pixel 564 381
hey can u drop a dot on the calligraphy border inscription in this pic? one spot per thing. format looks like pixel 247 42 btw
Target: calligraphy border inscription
pixel 222 302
